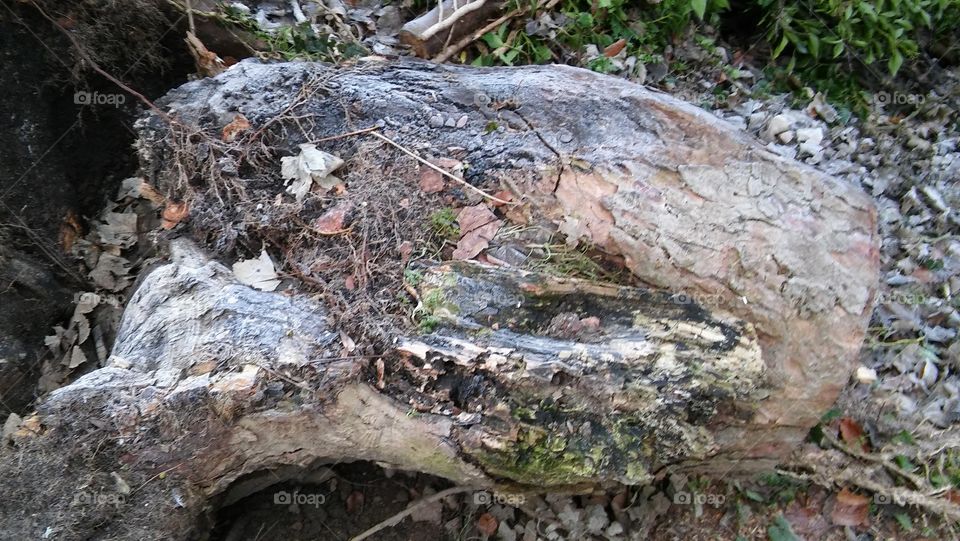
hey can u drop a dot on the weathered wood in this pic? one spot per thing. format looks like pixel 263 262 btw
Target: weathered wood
pixel 211 380
pixel 762 273
pixel 692 205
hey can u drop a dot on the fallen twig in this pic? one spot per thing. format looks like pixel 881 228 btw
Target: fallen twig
pixel 897 495
pixel 452 50
pixel 882 459
pixel 439 170
pixel 395 519
pixel 444 23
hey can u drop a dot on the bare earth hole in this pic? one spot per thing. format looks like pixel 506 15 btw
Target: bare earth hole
pixel 337 502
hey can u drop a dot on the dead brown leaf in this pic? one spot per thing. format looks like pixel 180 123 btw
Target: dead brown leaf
pixel 70 230
pixel 852 434
pixel 380 374
pixel 355 502
pixel 174 213
pixel 614 48
pixel 406 250
pixel 503 195
pixel 487 524
pixel 207 62
pixel 237 126
pixel 850 509
pixel 331 223
pixel 431 181
pixel 478 226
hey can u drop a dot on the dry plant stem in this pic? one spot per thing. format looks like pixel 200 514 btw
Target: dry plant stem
pixel 345 135
pixel 193 27
pixel 856 477
pixel 452 50
pixel 439 170
pixel 443 24
pixel 882 459
pixel 394 520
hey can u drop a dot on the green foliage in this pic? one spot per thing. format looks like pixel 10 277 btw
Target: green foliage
pixel 646 27
pixel 296 42
pixel 832 44
pixel 781 530
pixel 836 33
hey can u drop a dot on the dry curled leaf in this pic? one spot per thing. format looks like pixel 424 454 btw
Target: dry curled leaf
pixel 487 524
pixel 308 167
pixel 381 369
pixel 852 434
pixel 850 509
pixel 478 226
pixel 431 181
pixel 237 126
pixel 174 213
pixel 614 48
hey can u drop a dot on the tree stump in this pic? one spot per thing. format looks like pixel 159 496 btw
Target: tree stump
pixel 757 275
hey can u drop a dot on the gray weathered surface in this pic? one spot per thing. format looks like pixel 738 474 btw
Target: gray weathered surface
pixel 692 205
pixel 524 381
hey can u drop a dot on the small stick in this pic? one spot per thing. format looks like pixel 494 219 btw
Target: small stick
pixel 463 43
pixel 348 134
pixel 395 519
pixel 443 23
pixel 191 25
pixel 439 170
pixel 148 481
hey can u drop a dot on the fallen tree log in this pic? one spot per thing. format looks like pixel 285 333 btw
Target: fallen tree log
pixel 759 273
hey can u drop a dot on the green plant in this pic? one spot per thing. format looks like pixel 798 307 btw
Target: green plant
pixel 857 31
pixel 443 223
pixel 646 29
pixel 296 42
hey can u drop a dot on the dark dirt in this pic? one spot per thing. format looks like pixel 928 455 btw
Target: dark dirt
pixel 358 496
pixel 60 162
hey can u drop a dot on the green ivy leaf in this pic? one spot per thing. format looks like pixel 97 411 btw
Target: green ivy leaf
pixel 780 530
pixel 492 40
pixel 699 7
pixel 781 46
pixel 895 62
pixel 814 45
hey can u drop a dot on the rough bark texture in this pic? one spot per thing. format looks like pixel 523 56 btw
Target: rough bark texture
pixel 692 205
pixel 762 275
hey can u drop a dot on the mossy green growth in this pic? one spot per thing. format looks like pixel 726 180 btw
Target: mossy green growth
pixel 556 458
pixel 435 308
